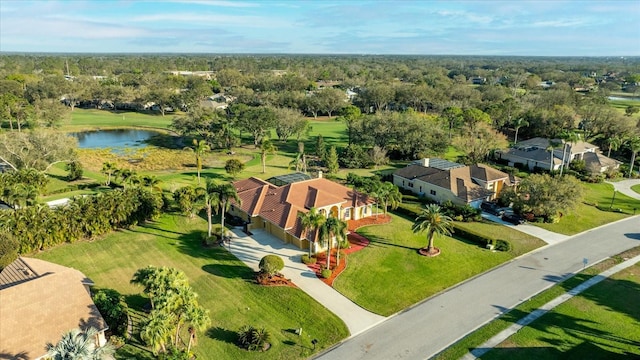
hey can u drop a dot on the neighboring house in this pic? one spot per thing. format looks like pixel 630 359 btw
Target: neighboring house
pixel 39 302
pixel 443 180
pixel 276 208
pixel 477 80
pixel 533 153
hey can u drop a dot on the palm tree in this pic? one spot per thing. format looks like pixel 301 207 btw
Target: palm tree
pixel 108 168
pixel 78 345
pixel 266 147
pixel 517 124
pixel 433 222
pixel 198 320
pixel 199 148
pixel 333 228
pixel 300 161
pixel 634 146
pixel 613 143
pixel 226 193
pixel 157 331
pixel 571 137
pixel 390 195
pixel 211 201
pixel 151 181
pixel 311 221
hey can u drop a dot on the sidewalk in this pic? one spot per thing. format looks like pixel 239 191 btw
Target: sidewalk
pixel 503 335
pixel 250 249
pixel 547 236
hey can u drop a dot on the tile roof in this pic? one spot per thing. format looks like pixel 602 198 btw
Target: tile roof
pixel 486 173
pixel 281 205
pixel 39 302
pixel 599 159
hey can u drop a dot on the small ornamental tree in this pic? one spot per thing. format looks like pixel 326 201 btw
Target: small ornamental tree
pixel 233 167
pixel 271 264
pixel 74 170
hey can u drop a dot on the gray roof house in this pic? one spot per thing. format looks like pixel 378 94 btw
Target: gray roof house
pixel 443 180
pixel 534 153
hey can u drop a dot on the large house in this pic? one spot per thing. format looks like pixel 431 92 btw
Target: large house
pixel 534 153
pixel 276 208
pixel 443 180
pixel 40 301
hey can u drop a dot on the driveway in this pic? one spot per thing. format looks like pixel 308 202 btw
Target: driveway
pixel 426 329
pixel 624 187
pixel 547 236
pixel 250 249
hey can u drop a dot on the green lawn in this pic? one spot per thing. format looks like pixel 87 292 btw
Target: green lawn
pixel 601 323
pixel 86 119
pixel 636 188
pixel 478 337
pixel 389 275
pixel 224 285
pixel 586 216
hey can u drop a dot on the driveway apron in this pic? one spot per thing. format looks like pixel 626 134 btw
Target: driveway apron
pixel 250 249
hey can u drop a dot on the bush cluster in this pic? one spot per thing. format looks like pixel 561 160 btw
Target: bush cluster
pixel 326 273
pixel 306 259
pixel 464 213
pixel 271 264
pixel 40 227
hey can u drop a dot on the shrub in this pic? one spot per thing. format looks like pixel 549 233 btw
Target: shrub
pixel 326 273
pixel 503 245
pixel 253 339
pixel 271 264
pixel 463 212
pixel 113 308
pixel 473 236
pixel 117 341
pixel 306 259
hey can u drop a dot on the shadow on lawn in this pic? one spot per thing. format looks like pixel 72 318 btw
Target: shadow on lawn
pixel 218 333
pixel 378 241
pixel 584 350
pixel 230 271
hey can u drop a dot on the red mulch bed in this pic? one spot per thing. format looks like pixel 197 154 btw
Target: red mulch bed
pixel 356 241
pixel 277 280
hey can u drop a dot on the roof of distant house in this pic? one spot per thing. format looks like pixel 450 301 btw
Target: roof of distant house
pixel 280 205
pixel 40 302
pixel 459 180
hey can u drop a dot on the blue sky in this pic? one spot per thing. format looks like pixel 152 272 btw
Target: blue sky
pixel 544 28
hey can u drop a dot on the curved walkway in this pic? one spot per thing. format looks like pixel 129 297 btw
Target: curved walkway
pixel 547 236
pixel 250 249
pixel 624 187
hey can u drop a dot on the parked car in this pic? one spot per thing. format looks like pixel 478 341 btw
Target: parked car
pixel 513 218
pixel 491 208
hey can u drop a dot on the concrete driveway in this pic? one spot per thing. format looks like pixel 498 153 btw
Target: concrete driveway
pixel 250 249
pixel 547 236
pixel 624 187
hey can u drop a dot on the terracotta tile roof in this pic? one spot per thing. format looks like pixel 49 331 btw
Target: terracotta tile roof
pixel 281 205
pixel 39 302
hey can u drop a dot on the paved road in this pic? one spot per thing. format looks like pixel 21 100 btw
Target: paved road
pixel 428 328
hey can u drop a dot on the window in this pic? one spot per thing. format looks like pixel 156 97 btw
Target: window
pixel 432 192
pixel 410 185
pixel 420 188
pixel 347 213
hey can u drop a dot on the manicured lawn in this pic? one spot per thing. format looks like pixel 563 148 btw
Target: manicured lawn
pixel 224 285
pixel 478 337
pixel 389 275
pixel 586 216
pixel 636 188
pixel 600 323
pixel 85 119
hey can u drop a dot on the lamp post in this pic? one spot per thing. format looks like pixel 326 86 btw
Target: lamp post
pixel 613 198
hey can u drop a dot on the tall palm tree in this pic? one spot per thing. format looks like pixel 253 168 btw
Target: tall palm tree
pixel 517 124
pixel 634 146
pixel 433 222
pixel 197 319
pixel 613 143
pixel 311 221
pixel 226 193
pixel 108 168
pixel 390 195
pixel 78 345
pixel 157 331
pixel 266 148
pixel 333 228
pixel 199 148
pixel 211 199
pixel 572 138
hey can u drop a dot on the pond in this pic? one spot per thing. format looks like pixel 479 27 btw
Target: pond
pixel 117 139
pixel 618 98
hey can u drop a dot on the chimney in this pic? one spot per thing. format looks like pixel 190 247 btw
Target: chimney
pixel 319 174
